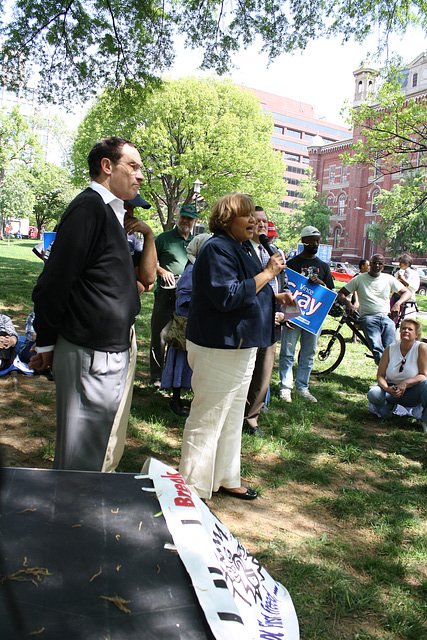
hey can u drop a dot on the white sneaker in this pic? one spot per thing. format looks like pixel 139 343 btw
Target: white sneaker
pixel 424 426
pixel 305 393
pixel 285 394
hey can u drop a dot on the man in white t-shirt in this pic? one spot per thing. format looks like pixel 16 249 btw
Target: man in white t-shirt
pixel 374 290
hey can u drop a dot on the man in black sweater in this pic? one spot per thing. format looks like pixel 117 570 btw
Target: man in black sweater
pixel 85 303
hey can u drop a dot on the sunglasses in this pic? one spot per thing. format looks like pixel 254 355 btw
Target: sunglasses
pixel 402 364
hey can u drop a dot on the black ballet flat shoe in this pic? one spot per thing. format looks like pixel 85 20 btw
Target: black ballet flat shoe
pixel 250 494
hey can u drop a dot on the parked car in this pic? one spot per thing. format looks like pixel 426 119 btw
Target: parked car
pixel 422 271
pixel 343 274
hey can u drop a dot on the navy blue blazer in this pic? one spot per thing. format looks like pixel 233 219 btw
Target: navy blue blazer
pixel 225 310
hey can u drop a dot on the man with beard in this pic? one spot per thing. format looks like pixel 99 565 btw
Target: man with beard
pixel 171 249
pixel 317 272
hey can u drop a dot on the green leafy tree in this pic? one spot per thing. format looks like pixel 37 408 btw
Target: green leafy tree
pixel 17 198
pixel 19 146
pixel 312 209
pixel 79 47
pixel 188 129
pixel 403 223
pixel 53 190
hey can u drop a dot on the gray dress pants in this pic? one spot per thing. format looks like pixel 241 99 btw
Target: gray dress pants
pixel 89 387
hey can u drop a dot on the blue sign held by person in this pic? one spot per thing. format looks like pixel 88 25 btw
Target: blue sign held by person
pixel 314 301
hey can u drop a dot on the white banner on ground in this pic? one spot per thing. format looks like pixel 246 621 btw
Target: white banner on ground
pixel 241 601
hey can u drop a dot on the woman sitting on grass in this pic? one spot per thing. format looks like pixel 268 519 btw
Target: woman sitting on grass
pixel 402 374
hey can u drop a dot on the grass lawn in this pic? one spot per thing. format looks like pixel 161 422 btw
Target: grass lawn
pixel 341 519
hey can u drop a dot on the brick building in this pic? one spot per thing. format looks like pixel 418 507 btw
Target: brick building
pixel 295 127
pixel 350 189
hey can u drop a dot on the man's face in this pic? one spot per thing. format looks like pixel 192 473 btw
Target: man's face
pixel 126 176
pixel 377 265
pixel 311 244
pixel 185 224
pixel 261 225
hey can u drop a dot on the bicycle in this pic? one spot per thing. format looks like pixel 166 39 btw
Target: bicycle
pixel 331 345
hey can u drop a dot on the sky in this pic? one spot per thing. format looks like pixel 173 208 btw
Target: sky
pixel 322 75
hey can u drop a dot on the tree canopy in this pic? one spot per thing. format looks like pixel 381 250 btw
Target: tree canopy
pixel 18 143
pixel 81 46
pixel 312 210
pixel 189 129
pixel 52 191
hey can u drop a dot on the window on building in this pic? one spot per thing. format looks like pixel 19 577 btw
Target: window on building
pixel 337 237
pixel 291 169
pixel 330 202
pixel 377 166
pixel 341 205
pixel 305 160
pixel 415 79
pixel 278 129
pixel 28 94
pixel 291 156
pixel 12 95
pixel 343 176
pixel 331 174
pixel 293 133
pixel 308 136
pixel 292 181
pixel 374 206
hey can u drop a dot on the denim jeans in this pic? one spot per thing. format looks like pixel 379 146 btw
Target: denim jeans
pixel 379 331
pixel 287 355
pixel 412 397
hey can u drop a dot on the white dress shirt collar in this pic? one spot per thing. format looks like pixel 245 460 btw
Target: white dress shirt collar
pixel 109 198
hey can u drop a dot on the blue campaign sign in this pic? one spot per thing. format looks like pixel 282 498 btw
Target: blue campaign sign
pixel 314 301
pixel 324 252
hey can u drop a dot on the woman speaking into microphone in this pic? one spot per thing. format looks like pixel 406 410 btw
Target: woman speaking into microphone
pixel 231 314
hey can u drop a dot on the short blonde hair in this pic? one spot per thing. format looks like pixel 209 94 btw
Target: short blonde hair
pixel 227 208
pixel 418 327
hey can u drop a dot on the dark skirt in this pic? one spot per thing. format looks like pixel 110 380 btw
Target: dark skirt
pixel 177 372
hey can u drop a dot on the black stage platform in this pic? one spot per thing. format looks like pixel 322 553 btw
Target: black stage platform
pixel 91 536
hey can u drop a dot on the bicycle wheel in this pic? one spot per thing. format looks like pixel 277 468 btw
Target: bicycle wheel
pixel 329 353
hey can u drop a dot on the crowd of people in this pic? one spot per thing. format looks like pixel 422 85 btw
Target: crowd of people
pixel 218 306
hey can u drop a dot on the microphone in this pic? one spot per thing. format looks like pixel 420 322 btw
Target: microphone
pixel 266 244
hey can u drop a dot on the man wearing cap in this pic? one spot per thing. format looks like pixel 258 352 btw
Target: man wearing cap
pixel 317 272
pixel 171 249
